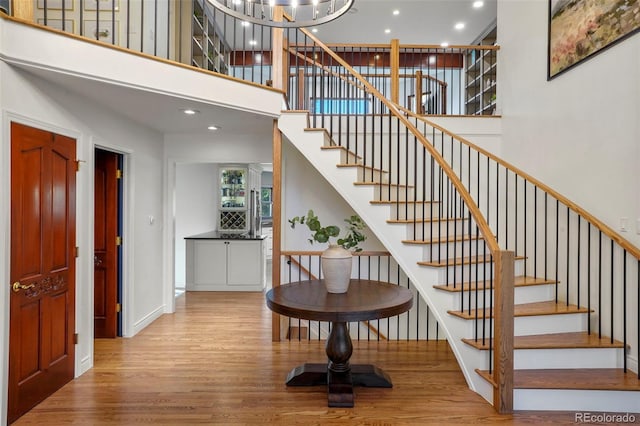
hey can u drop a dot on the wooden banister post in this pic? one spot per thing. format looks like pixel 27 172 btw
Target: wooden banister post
pixel 419 107
pixel 503 332
pixel 279 72
pixel 277 51
pixel 395 70
pixel 23 9
pixel 276 220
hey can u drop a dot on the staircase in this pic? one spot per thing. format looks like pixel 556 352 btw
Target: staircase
pixel 558 364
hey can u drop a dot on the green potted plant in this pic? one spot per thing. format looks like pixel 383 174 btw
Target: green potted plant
pixel 336 260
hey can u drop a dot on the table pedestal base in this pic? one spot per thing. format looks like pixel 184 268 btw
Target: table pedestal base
pixel 339 385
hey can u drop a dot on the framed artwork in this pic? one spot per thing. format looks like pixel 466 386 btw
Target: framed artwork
pixel 579 29
pixel 56 4
pixel 106 5
pixel 57 24
pixel 102 30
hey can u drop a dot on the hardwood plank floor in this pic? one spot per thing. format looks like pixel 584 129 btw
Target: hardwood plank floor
pixel 213 362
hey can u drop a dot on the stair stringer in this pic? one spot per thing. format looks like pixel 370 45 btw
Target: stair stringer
pixel 292 125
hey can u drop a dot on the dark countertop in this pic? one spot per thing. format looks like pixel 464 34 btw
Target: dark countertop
pixel 218 235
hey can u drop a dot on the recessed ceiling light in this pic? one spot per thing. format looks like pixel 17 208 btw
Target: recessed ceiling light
pixel 478 4
pixel 314 30
pixel 387 31
pixel 253 42
pixel 214 127
pixel 258 57
pixel 396 12
pixel 245 24
pixel 444 44
pixel 459 26
pixel 190 111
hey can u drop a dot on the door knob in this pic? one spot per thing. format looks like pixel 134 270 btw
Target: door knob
pixel 17 286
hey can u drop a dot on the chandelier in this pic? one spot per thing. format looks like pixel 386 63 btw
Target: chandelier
pixel 300 13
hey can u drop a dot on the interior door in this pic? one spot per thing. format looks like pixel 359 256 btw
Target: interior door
pixel 105 244
pixel 43 237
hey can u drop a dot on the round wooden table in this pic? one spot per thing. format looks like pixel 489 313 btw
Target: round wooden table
pixel 365 300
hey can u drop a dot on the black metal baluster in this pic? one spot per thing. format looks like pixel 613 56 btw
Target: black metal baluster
pixel 578 265
pixel 600 285
pixel 557 246
pixel 589 278
pixel 624 310
pixel 568 268
pixel 612 294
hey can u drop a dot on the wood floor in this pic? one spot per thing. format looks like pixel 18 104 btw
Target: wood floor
pixel 213 362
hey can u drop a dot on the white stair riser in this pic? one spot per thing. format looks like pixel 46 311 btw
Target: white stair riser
pixel 391 193
pixel 369 175
pixel 542 324
pixel 568 358
pixel 430 230
pixel 469 272
pixel 522 294
pixel 414 211
pixel 524 326
pixel 581 402
pixel 455 249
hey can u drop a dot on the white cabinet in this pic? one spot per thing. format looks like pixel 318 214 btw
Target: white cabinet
pixel 225 265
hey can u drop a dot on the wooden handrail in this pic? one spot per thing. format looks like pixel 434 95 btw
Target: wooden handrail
pixel 408 46
pixel 482 224
pixel 324 68
pixel 606 230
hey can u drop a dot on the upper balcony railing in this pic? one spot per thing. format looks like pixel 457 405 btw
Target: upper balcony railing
pixel 426 79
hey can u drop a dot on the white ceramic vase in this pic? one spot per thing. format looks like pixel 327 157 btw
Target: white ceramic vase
pixel 336 268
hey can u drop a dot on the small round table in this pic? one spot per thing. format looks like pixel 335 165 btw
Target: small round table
pixel 365 300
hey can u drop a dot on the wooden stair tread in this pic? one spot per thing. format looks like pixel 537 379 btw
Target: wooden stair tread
pixel 441 240
pixel 520 281
pixel 460 261
pixel 426 219
pixel 347 165
pixel 395 185
pixel 603 379
pixel 577 340
pixel 404 202
pixel 525 310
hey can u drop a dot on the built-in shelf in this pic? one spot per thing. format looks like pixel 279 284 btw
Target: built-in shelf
pixel 204 45
pixel 481 73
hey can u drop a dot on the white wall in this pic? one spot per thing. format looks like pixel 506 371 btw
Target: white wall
pixel 304 188
pixel 579 132
pixel 35 102
pixel 196 207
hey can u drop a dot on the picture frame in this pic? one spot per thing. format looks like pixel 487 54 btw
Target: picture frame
pixel 69 24
pixel 579 30
pixel 56 4
pixel 104 5
pixel 104 30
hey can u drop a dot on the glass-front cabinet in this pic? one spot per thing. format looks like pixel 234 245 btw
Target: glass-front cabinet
pixel 233 200
pixel 233 188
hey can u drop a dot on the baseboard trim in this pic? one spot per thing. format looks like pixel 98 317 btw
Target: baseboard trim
pixel 148 319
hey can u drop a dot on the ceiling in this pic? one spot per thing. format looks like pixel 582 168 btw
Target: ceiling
pixel 418 22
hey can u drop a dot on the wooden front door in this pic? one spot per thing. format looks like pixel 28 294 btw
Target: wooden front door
pixel 105 247
pixel 43 238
